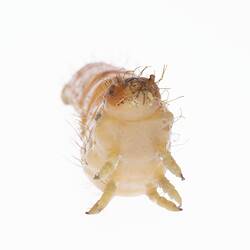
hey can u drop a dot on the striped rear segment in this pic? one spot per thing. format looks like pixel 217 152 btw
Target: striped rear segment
pixel 86 89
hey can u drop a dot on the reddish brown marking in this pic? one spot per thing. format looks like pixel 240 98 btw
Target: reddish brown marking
pixel 115 94
pixel 95 80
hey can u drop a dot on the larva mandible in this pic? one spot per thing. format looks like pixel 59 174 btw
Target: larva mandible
pixel 125 129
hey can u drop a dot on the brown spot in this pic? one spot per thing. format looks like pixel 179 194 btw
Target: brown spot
pixel 98 116
pixel 115 94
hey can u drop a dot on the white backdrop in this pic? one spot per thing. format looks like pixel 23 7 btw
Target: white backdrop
pixel 44 194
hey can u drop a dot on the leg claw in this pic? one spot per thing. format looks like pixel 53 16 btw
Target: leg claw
pixel 182 177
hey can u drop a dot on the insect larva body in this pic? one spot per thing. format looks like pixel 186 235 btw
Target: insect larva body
pixel 126 129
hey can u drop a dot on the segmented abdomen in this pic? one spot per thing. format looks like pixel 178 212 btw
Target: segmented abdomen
pixel 86 89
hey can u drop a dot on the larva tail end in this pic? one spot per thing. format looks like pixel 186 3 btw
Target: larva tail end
pixel 65 94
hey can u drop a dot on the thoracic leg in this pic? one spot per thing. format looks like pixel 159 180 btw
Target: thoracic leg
pixel 104 200
pixel 169 188
pixel 108 168
pixel 161 201
pixel 171 164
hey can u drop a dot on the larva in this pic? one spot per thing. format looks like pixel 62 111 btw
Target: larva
pixel 125 129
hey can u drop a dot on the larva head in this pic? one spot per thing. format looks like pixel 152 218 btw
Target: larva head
pixel 132 98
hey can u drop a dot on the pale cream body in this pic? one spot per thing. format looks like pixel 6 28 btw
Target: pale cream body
pixel 136 141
